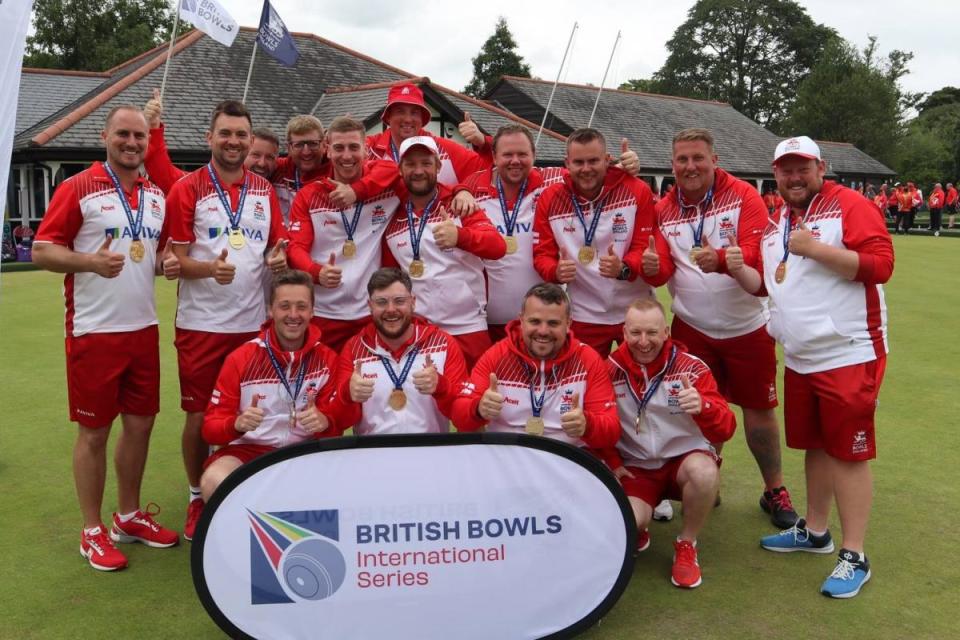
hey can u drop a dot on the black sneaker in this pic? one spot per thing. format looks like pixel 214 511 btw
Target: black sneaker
pixel 777 503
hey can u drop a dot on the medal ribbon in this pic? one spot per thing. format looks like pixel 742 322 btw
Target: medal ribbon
pixel 652 385
pixel 136 224
pixel 788 227
pixel 510 220
pixel 233 215
pixel 297 184
pixel 701 208
pixel 351 227
pixel 294 392
pixel 398 380
pixel 536 402
pixel 393 151
pixel 597 210
pixel 416 234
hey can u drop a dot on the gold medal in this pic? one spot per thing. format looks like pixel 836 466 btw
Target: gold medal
pixel 416 269
pixel 137 250
pixel 235 239
pixel 534 426
pixel 398 399
pixel 511 244
pixel 586 254
pixel 781 273
pixel 694 253
pixel 349 249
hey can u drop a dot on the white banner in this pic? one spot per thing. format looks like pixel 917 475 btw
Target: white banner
pixel 441 536
pixel 14 21
pixel 211 18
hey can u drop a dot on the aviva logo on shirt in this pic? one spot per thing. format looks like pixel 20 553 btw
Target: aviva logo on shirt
pixel 250 234
pixel 124 232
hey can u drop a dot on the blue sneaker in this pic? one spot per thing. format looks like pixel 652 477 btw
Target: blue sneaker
pixel 797 538
pixel 849 576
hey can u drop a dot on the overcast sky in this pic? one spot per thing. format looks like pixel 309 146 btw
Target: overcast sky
pixel 438 39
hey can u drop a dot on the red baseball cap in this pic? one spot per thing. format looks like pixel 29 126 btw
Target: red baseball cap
pixel 406 94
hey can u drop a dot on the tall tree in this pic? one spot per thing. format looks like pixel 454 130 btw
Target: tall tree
pixel 849 97
pixel 94 35
pixel 930 151
pixel 752 54
pixel 498 57
pixel 643 85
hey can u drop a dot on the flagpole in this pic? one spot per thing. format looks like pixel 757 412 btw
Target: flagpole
pixel 555 83
pixel 253 56
pixel 173 36
pixel 604 81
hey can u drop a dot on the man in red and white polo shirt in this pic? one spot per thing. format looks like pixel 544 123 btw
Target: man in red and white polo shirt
pixel 541 380
pixel 273 391
pixel 709 215
pixel 824 261
pixel 401 373
pixel 442 254
pixel 590 231
pixel 950 203
pixel 508 193
pixel 226 227
pixel 103 229
pixel 340 248
pixel 670 414
pixel 305 160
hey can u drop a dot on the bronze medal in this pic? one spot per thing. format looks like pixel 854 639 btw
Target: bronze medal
pixel 398 399
pixel 235 239
pixel 349 249
pixel 781 273
pixel 534 426
pixel 694 252
pixel 137 250
pixel 586 255
pixel 416 269
pixel 511 244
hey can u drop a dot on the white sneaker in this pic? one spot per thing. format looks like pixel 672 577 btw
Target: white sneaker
pixel 663 512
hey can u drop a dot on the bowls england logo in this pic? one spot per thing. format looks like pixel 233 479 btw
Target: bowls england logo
pixel 293 556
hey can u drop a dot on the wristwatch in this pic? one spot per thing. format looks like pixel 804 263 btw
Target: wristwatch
pixel 625 273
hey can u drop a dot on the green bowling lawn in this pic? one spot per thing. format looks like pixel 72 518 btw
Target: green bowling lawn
pixel 49 591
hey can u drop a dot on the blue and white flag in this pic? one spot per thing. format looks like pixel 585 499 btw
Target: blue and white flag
pixel 211 18
pixel 274 37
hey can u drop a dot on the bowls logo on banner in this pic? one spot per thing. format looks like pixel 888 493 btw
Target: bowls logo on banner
pixel 293 556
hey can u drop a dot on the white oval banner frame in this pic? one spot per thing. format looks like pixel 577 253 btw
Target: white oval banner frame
pixel 415 536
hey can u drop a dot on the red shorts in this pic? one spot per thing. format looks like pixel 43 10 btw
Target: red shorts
pixel 745 367
pixel 200 355
pixel 833 410
pixel 497 332
pixel 473 345
pixel 113 373
pixel 242 452
pixel 654 485
pixel 335 333
pixel 599 336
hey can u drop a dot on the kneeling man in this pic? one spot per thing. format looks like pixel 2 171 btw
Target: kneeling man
pixel 670 411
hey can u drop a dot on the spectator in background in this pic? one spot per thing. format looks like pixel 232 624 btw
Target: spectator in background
pixel 935 202
pixel 951 203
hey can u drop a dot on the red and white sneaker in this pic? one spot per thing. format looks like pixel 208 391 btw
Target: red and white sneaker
pixel 643 540
pixel 98 549
pixel 194 509
pixel 143 528
pixel 686 570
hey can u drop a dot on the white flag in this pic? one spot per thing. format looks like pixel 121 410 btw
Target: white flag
pixel 211 18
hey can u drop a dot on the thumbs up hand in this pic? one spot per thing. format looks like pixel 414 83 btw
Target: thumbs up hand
pixel 707 258
pixel 360 388
pixel 629 160
pixel 169 263
pixel 251 417
pixel 651 259
pixel 153 110
pixel 425 380
pixel 223 271
pixel 734 256
pixel 689 397
pixel 610 264
pixel 491 403
pixel 342 196
pixel 574 422
pixel 106 263
pixel 470 131
pixel 445 234
pixel 277 257
pixel 566 268
pixel 310 419
pixel 330 274
pixel 802 242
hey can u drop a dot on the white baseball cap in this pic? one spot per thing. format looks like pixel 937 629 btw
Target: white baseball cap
pixel 419 141
pixel 801 146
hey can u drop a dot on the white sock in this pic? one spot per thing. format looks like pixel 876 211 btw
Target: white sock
pixel 693 542
pixel 127 517
pixel 92 531
pixel 816 534
pixel 194 493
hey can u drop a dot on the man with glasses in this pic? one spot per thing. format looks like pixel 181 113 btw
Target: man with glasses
pixel 401 373
pixel 304 163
